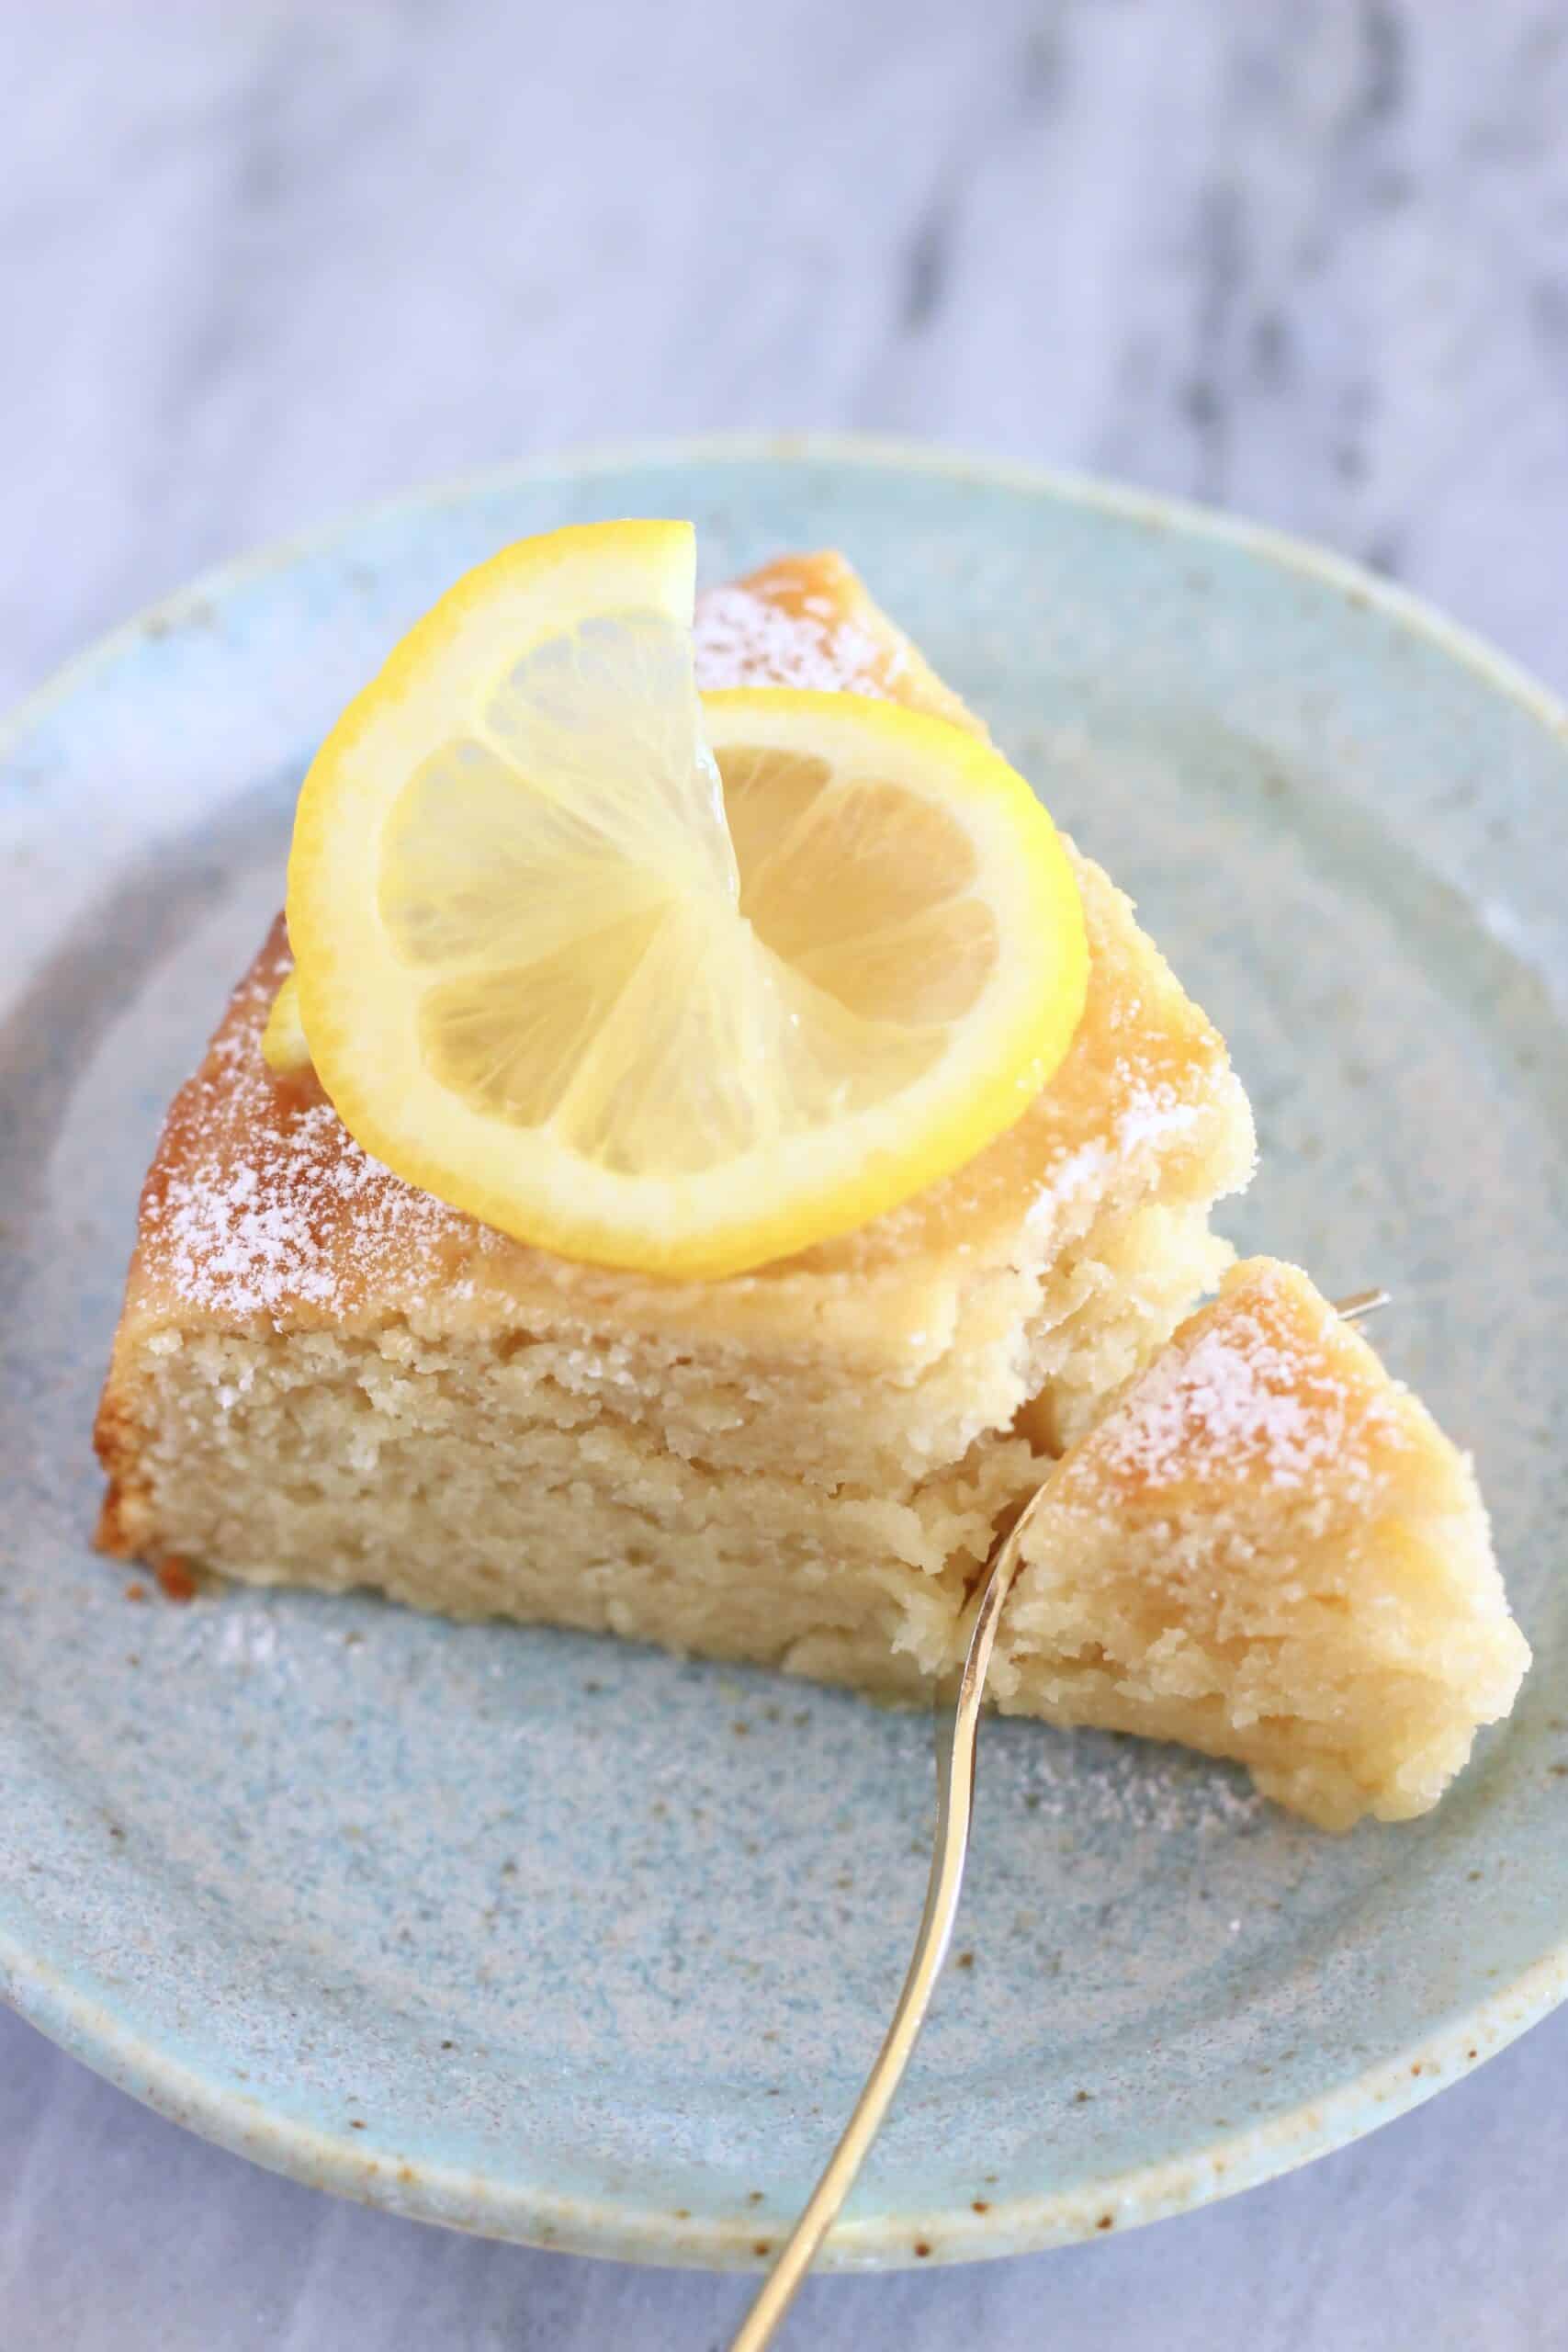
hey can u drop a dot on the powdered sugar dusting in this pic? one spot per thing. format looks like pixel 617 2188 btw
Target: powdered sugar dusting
pixel 272 1206
pixel 1153 1115
pixel 1255 1392
pixel 743 639
pixel 1150 1113
pixel 1236 1400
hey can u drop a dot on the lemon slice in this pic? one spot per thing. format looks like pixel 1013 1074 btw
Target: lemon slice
pixel 672 985
pixel 285 1046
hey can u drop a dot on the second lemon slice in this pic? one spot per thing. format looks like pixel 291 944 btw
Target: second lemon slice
pixel 675 986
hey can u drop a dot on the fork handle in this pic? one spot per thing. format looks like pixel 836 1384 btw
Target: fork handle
pixel 956 1744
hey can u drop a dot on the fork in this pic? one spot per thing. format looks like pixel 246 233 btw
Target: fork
pixel 957 1733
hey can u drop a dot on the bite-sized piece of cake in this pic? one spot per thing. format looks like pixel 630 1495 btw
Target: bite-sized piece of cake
pixel 1269 1550
pixel 325 1376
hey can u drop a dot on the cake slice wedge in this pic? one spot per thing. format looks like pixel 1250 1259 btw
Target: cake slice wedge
pixel 323 1377
pixel 1267 1550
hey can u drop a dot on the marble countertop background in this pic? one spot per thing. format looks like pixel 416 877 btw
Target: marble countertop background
pixel 260 261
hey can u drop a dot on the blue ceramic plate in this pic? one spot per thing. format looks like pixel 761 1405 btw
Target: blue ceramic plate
pixel 562 1940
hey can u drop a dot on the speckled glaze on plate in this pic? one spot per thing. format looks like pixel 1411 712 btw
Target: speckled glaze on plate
pixel 561 1940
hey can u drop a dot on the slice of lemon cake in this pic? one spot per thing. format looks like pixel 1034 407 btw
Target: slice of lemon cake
pixel 1267 1550
pixel 325 1375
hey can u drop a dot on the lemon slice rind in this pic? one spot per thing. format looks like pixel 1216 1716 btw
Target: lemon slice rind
pixel 720 1012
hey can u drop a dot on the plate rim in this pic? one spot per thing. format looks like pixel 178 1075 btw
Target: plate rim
pixel 76 2015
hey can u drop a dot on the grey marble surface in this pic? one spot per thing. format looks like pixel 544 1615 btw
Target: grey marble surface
pixel 258 262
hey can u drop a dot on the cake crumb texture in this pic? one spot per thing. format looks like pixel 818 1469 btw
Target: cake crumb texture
pixel 1268 1549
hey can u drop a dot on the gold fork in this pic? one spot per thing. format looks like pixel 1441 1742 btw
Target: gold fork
pixel 957 1731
